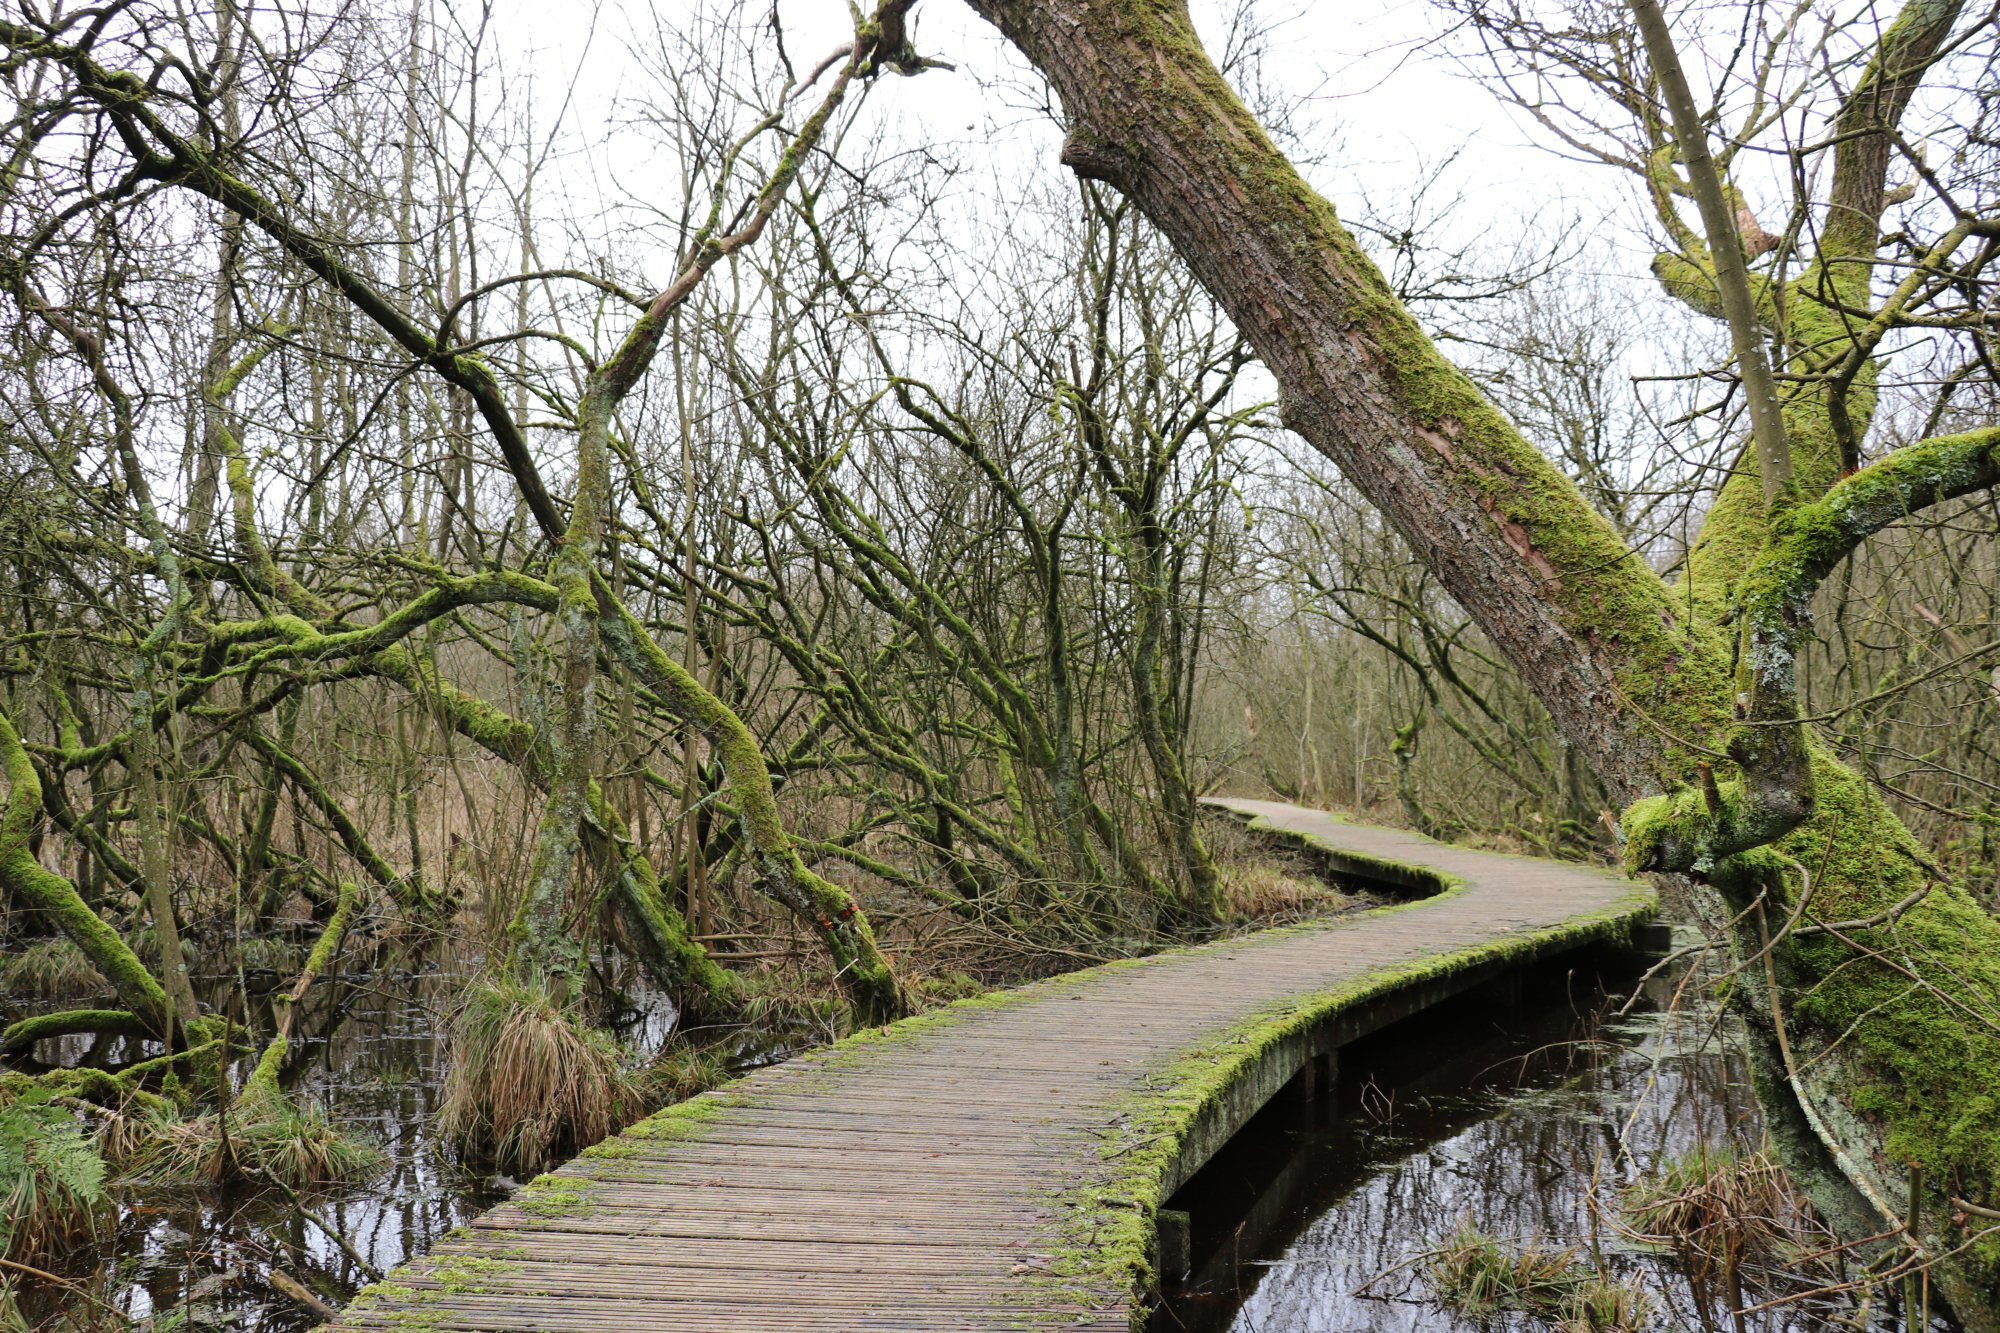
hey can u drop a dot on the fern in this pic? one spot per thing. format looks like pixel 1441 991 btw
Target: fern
pixel 51 1177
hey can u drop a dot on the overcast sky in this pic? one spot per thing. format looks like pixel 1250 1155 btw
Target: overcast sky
pixel 1366 79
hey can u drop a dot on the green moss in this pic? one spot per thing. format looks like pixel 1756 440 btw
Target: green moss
pixel 610 1150
pixel 1893 1026
pixel 1807 540
pixel 32 885
pixel 28 1031
pixel 683 1119
pixel 552 1196
pixel 397 1305
pixel 458 1275
pixel 865 974
pixel 1108 1225
pixel 1921 1053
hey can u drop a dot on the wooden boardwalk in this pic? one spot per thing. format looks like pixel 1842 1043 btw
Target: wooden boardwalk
pixel 997 1164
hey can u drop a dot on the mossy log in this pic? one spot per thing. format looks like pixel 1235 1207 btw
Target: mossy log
pixel 32 884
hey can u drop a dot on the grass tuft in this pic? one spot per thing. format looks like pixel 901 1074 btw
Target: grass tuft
pixel 1477 1276
pixel 262 1138
pixel 1605 1306
pixel 1265 881
pixel 683 1070
pixel 530 1083
pixel 50 969
pixel 1718 1210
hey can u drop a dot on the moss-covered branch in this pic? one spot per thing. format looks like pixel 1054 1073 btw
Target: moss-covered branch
pixel 864 972
pixel 1693 830
pixel 33 885
pixel 68 1022
pixel 263 1080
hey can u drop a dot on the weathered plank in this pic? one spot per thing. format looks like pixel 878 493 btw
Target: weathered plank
pixel 995 1165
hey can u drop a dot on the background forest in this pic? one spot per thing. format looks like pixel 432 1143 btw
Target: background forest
pixel 814 577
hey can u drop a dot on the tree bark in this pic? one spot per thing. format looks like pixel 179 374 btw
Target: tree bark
pixel 1883 1028
pixel 1593 629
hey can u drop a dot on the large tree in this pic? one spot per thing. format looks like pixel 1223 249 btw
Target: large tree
pixel 1872 984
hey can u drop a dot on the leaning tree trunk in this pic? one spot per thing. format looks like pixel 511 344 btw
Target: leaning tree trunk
pixel 1887 1034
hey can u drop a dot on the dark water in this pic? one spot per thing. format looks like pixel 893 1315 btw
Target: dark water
pixel 377 1069
pixel 1516 1116
pixel 1523 1120
pixel 378 1075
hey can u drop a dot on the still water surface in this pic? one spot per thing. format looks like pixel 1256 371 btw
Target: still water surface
pixel 377 1071
pixel 1524 1120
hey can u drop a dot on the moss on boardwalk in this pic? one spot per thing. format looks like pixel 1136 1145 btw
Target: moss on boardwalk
pixel 793 1193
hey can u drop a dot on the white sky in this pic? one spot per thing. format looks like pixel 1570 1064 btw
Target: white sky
pixel 1366 81
pixel 1374 103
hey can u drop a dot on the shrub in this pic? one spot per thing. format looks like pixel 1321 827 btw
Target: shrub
pixel 530 1083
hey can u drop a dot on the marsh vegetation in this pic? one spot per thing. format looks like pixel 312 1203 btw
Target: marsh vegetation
pixel 613 585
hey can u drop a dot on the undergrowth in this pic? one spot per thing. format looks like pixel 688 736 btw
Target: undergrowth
pixel 1721 1212
pixel 259 1139
pixel 49 969
pixel 530 1081
pixel 1267 883
pixel 52 1181
pixel 681 1071
pixel 1479 1277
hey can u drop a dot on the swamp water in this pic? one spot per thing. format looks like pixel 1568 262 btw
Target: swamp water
pixel 187 1259
pixel 1523 1120
pixel 1511 1116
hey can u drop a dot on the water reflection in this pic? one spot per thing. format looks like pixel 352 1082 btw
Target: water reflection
pixel 373 1057
pixel 1523 1120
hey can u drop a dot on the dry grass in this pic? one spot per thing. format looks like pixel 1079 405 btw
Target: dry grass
pixel 1264 882
pixel 530 1083
pixel 1603 1306
pixel 1718 1210
pixel 261 1139
pixel 1478 1277
pixel 49 969
pixel 1264 891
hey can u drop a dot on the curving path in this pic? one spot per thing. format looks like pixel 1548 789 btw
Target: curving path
pixel 996 1164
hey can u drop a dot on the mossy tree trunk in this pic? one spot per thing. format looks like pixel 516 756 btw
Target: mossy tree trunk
pixel 594 614
pixel 1890 1004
